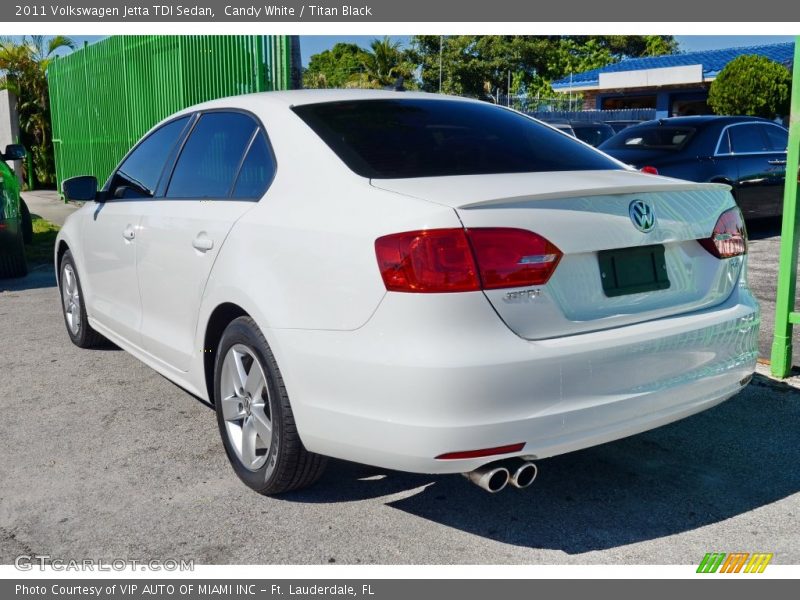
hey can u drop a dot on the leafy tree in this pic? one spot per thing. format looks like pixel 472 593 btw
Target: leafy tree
pixel 336 67
pixel 751 85
pixel 385 62
pixel 23 71
pixel 480 65
pixel 349 65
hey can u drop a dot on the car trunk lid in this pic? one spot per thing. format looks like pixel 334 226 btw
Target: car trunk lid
pixel 586 214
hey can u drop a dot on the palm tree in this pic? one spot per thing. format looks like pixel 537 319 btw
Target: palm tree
pixel 23 72
pixel 383 63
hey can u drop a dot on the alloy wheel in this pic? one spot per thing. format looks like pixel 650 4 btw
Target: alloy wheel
pixel 246 406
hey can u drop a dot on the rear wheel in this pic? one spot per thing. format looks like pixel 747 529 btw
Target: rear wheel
pixel 74 307
pixel 12 261
pixel 254 415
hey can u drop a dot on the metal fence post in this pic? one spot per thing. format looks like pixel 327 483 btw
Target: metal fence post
pixel 785 315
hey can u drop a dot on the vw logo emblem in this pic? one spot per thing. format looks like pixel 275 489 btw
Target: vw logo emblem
pixel 642 215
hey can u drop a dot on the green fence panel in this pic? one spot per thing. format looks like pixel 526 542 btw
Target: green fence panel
pixel 785 314
pixel 104 97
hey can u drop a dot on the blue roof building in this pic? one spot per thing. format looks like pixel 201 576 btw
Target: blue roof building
pixel 674 84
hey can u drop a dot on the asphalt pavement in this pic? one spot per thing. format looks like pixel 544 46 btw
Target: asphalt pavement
pixel 104 458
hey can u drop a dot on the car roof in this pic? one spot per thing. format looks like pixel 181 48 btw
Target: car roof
pixel 703 120
pixel 287 99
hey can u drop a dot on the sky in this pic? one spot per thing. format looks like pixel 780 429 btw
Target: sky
pixel 313 44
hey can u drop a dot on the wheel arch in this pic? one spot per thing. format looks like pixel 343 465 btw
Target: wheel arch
pixel 61 250
pixel 218 320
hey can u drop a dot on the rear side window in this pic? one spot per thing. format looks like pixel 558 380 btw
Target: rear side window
pixel 211 156
pixel 138 175
pixel 777 138
pixel 650 138
pixel 257 170
pixel 746 139
pixel 385 139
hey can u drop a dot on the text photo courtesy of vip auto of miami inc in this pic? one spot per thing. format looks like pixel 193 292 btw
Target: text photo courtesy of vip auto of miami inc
pixel 392 299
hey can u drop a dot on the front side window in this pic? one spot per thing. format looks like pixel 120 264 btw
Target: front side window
pixel 138 175
pixel 210 158
pixel 385 139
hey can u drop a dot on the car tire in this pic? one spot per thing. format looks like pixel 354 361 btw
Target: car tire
pixel 73 306
pixel 255 417
pixel 12 262
pixel 27 222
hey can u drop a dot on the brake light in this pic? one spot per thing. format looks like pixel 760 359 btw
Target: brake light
pixel 435 260
pixel 464 260
pixel 649 170
pixel 729 237
pixel 513 257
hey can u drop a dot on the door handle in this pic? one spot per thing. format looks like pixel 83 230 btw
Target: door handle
pixel 776 162
pixel 129 233
pixel 202 243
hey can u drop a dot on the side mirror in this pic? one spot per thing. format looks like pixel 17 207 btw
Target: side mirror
pixel 81 189
pixel 14 152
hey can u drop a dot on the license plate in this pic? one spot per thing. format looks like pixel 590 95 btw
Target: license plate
pixel 633 270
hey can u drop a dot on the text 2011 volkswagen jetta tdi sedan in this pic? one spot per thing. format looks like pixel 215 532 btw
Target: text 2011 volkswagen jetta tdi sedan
pixel 417 282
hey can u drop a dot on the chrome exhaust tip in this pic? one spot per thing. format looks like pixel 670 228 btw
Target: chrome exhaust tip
pixel 522 473
pixel 491 477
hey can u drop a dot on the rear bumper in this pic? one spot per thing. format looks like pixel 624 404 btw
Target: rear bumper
pixel 432 374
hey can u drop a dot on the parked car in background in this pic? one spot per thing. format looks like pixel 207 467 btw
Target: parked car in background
pixel 593 133
pixel 457 289
pixel 15 220
pixel 620 124
pixel 747 153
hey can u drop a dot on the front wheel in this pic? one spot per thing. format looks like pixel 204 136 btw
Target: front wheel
pixel 254 415
pixel 74 306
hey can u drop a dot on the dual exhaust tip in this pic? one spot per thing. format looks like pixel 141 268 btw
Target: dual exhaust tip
pixel 494 477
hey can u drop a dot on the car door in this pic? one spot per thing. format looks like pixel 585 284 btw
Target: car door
pixel 224 167
pixel 755 184
pixel 109 234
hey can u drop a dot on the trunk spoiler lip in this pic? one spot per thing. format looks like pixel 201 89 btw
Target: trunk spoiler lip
pixel 659 184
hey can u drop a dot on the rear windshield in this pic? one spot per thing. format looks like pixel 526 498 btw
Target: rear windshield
pixel 593 134
pixel 387 139
pixel 650 138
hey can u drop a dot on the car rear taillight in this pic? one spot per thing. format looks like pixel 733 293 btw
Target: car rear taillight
pixel 434 260
pixel 729 237
pixel 513 257
pixel 649 170
pixel 464 260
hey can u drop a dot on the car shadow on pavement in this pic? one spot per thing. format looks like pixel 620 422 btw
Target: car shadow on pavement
pixel 732 459
pixel 39 277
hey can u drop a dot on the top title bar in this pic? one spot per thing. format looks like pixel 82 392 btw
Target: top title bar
pixel 442 11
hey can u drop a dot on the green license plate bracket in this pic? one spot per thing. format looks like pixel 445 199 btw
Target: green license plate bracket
pixel 633 270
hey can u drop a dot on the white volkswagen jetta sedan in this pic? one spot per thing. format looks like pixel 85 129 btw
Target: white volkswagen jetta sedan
pixel 418 282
